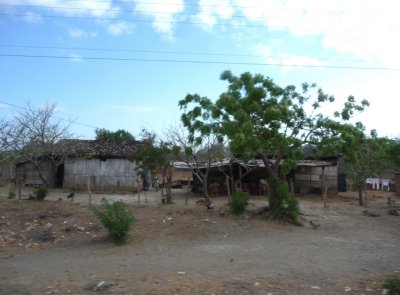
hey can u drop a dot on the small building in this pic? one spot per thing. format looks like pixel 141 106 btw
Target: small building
pixel 103 164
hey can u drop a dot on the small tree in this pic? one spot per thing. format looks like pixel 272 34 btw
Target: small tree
pixel 119 135
pixel 156 156
pixel 33 135
pixel 198 152
pixel 115 218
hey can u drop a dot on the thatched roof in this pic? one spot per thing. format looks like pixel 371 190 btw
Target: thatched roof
pixel 97 148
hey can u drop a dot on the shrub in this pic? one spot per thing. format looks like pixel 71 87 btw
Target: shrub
pixel 393 285
pixel 287 206
pixel 41 193
pixel 12 192
pixel 115 218
pixel 239 202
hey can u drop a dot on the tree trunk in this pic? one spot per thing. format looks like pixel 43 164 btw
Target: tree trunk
pixel 360 196
pixel 273 194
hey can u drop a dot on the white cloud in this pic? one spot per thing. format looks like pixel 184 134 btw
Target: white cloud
pixel 211 11
pixel 163 14
pixel 32 17
pixel 78 33
pixel 271 55
pixel 364 29
pixel 120 27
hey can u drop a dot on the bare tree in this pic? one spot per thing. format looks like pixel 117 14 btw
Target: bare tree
pixel 200 155
pixel 33 135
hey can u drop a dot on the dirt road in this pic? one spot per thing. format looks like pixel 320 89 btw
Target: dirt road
pixel 178 249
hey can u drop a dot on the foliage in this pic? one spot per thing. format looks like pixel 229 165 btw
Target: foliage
pixel 287 204
pixel 156 156
pixel 119 135
pixel 365 156
pixel 239 202
pixel 115 218
pixel 12 192
pixel 262 119
pixel 393 285
pixel 41 193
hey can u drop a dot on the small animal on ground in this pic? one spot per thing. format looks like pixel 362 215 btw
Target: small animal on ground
pixel 221 212
pixel 314 225
pixel 71 196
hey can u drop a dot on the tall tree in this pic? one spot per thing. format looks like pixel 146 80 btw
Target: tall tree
pixel 33 135
pixel 262 119
pixel 119 135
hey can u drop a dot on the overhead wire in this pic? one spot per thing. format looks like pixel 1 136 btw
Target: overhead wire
pixel 236 25
pixel 198 62
pixel 59 118
pixel 217 6
pixel 171 52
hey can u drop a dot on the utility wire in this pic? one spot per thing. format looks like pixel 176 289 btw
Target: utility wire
pixel 59 118
pixel 199 62
pixel 178 22
pixel 169 52
pixel 217 6
pixel 149 11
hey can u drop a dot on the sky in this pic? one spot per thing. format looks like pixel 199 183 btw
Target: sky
pixel 126 64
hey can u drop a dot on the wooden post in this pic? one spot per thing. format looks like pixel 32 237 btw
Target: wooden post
pixel 365 193
pixel 89 191
pixel 20 181
pixel 228 188
pixel 324 187
pixel 187 192
pixel 291 185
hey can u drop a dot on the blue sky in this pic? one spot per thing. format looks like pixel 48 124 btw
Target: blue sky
pixel 126 64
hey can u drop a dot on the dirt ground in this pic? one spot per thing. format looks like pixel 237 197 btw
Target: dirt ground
pixel 59 247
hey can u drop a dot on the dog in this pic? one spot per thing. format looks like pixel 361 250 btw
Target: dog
pixel 71 196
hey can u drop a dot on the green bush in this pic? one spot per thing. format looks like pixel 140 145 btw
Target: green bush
pixel 239 202
pixel 41 193
pixel 286 206
pixel 12 192
pixel 115 218
pixel 393 285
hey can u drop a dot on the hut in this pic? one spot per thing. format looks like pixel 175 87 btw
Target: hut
pixel 105 165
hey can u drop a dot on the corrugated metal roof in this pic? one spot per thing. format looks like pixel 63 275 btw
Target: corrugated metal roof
pixel 97 148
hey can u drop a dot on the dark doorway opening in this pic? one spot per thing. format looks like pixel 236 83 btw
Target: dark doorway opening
pixel 60 176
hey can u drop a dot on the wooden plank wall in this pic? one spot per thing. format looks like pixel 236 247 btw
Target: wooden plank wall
pixel 108 175
pixel 308 179
pixel 31 176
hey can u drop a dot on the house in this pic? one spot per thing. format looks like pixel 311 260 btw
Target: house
pixel 310 176
pixel 103 164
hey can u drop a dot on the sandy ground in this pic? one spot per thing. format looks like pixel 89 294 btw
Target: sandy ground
pixel 58 247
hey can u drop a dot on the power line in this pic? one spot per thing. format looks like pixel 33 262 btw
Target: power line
pixel 59 118
pixel 170 52
pixel 199 62
pixel 216 6
pixel 163 12
pixel 179 22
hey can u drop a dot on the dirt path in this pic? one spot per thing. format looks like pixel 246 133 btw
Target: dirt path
pixel 177 249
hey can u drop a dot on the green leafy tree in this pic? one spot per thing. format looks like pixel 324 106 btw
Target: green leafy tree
pixel 262 119
pixel 156 156
pixel 119 135
pixel 364 155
